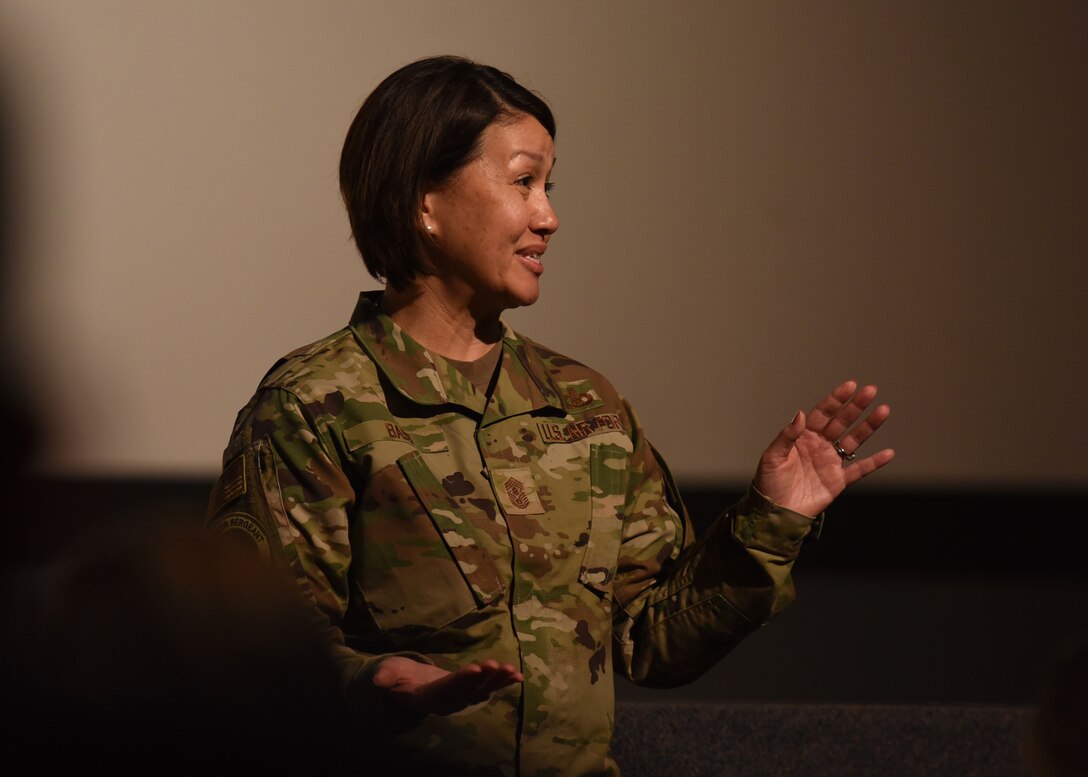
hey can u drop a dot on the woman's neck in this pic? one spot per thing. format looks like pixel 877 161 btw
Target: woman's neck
pixel 440 326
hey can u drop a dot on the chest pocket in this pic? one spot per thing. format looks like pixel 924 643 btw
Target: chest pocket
pixel 459 533
pixel 417 562
pixel 608 493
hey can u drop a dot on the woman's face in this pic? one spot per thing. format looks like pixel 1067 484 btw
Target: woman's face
pixel 490 223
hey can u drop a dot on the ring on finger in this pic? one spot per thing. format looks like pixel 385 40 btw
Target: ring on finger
pixel 842 452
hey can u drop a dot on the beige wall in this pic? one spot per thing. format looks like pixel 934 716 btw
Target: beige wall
pixel 757 200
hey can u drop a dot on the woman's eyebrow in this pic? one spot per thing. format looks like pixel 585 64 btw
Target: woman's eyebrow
pixel 534 155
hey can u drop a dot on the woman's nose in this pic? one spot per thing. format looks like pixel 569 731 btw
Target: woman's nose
pixel 545 222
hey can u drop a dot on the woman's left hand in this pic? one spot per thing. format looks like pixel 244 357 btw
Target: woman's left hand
pixel 803 469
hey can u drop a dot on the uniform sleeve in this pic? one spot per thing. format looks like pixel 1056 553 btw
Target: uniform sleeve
pixel 682 604
pixel 282 491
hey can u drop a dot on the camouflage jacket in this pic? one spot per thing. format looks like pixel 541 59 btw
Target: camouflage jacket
pixel 535 525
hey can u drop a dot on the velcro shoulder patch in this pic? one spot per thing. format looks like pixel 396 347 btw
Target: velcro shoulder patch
pixel 230 486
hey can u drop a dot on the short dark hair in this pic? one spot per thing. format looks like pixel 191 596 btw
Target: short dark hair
pixel 413 133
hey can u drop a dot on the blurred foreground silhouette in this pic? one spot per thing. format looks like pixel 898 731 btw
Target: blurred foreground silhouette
pixel 1057 741
pixel 167 647
pixel 140 642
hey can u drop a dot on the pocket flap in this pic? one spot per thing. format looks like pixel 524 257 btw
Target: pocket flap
pixel 608 493
pixel 458 531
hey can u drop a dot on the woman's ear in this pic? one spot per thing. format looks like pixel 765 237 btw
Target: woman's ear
pixel 427 212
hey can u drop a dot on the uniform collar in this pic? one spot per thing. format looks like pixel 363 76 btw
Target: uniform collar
pixel 426 378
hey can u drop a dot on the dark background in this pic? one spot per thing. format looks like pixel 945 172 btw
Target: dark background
pixel 909 596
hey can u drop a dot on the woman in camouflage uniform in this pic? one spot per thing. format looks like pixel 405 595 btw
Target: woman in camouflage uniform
pixel 480 521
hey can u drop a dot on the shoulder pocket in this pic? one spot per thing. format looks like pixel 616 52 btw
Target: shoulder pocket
pixel 243 503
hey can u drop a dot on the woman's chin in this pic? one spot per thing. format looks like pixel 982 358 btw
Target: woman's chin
pixel 528 297
pixel 522 294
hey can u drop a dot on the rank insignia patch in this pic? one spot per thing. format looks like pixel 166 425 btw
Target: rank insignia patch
pixel 516 491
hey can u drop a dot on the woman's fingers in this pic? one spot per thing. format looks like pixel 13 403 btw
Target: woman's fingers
pixel 499 676
pixel 427 688
pixel 839 412
pixel 853 440
pixel 474 683
pixel 828 407
pixel 862 467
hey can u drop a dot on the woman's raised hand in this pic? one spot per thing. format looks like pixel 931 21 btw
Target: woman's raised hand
pixel 813 459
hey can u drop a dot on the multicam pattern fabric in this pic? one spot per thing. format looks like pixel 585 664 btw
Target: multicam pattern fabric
pixel 535 526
